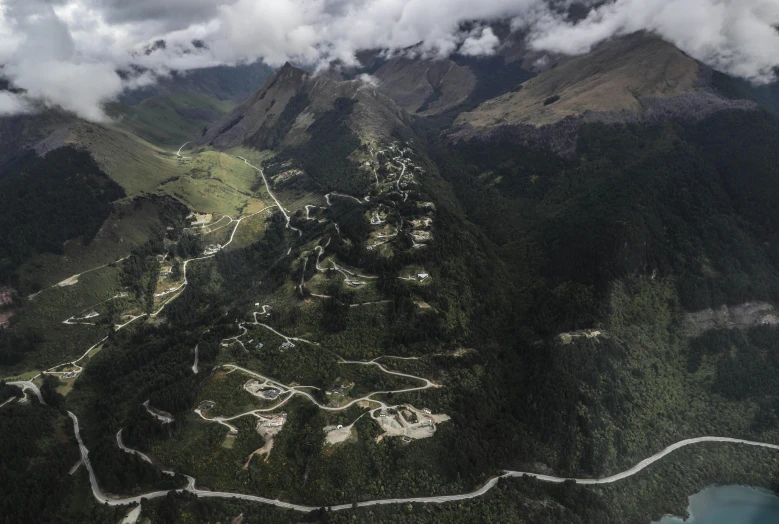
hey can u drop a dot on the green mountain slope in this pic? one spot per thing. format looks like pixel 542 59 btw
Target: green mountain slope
pixel 170 120
pixel 457 309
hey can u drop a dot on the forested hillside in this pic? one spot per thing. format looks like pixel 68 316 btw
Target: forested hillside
pixel 323 299
pixel 48 201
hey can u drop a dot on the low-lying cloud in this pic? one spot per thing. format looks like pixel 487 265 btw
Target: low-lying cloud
pixel 66 53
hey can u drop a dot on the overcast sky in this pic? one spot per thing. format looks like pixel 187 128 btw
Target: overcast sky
pixel 66 52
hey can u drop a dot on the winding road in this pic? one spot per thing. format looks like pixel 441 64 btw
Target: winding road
pixel 290 392
pixel 267 187
pixel 25 385
pixel 103 498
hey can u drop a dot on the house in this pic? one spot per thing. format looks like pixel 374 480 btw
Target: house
pixel 423 276
pixel 232 433
pixel 287 345
pixel 426 411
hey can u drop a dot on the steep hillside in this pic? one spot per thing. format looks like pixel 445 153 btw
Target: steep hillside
pixel 635 77
pixel 222 82
pixel 170 120
pixel 49 201
pixel 281 111
pixel 425 86
pixel 22 132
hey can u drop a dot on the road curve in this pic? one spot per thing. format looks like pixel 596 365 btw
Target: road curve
pixel 267 188
pixel 26 384
pixel 112 501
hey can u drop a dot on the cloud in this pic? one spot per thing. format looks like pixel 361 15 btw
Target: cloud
pixel 65 52
pixel 368 79
pixel 13 104
pixel 79 88
pixel 735 36
pixel 480 42
pixel 42 60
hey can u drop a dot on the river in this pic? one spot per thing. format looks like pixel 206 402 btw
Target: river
pixel 730 505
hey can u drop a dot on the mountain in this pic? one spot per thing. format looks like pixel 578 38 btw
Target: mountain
pixel 220 82
pixel 280 112
pixel 350 288
pixel 440 89
pixel 630 79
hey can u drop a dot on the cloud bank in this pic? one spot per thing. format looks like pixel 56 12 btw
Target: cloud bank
pixel 66 53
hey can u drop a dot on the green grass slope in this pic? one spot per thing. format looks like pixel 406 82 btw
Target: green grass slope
pixel 170 120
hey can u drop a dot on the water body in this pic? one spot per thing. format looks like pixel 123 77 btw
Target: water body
pixel 730 505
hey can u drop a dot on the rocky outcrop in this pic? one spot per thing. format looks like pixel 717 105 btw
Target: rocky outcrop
pixel 743 316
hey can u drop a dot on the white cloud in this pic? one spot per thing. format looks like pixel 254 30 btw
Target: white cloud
pixel 12 104
pixel 480 42
pixel 368 79
pixel 736 36
pixel 79 88
pixel 65 52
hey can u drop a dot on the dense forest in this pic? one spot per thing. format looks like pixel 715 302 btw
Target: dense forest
pixel 37 451
pixel 691 202
pixel 640 226
pixel 49 200
pixel 324 155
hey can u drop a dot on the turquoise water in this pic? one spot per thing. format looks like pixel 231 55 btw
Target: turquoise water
pixel 730 505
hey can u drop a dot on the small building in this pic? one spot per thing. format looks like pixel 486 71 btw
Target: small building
pixel 232 433
pixel 339 426
pixel 427 411
pixel 423 276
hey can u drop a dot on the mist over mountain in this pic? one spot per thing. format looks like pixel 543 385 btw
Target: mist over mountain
pixel 84 43
pixel 388 261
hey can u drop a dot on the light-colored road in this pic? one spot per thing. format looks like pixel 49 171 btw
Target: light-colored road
pixel 267 188
pixel 143 456
pixel 327 197
pixel 297 390
pixel 427 384
pixel 28 385
pixel 285 337
pixel 186 262
pixel 162 418
pixel 129 450
pixel 113 501
pixel 178 153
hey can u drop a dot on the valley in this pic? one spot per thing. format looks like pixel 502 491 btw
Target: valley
pixel 333 297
